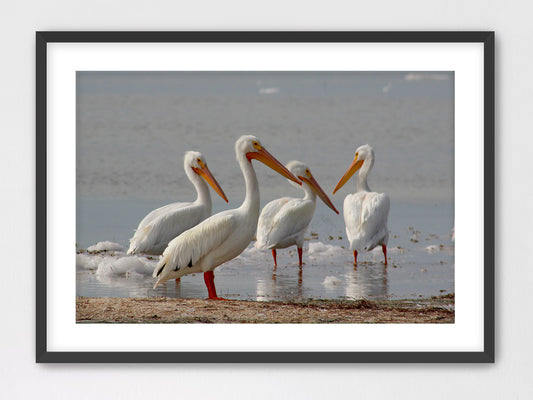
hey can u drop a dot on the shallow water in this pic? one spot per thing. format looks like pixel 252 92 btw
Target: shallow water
pixel 133 128
pixel 421 261
pixel 288 282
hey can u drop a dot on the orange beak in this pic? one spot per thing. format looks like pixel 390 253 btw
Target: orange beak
pixel 206 174
pixel 356 164
pixel 318 190
pixel 268 159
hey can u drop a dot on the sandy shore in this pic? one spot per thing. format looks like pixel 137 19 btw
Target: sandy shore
pixel 170 310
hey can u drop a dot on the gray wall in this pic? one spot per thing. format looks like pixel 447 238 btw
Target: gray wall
pixel 509 378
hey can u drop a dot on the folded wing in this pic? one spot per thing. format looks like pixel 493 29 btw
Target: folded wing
pixel 189 248
pixel 281 220
pixel 366 215
pixel 162 225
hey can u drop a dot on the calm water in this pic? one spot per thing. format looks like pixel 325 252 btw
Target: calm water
pixel 133 129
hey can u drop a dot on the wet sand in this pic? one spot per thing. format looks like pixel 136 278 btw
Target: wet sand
pixel 170 310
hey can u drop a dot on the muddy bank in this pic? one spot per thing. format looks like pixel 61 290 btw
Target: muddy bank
pixel 170 310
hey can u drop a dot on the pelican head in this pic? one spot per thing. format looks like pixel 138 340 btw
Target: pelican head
pixel 362 154
pixel 302 172
pixel 251 148
pixel 195 161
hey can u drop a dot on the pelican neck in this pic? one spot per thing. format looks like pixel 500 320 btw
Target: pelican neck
pixel 309 193
pixel 202 190
pixel 362 176
pixel 251 200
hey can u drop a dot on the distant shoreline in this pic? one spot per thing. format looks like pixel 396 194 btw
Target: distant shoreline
pixel 439 309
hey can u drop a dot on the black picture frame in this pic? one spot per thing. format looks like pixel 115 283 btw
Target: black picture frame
pixel 43 355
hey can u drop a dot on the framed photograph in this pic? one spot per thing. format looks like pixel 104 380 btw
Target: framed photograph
pixel 286 197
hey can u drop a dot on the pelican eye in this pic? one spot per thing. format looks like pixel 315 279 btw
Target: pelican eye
pixel 257 145
pixel 308 173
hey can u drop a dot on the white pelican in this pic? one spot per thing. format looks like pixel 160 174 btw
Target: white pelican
pixel 283 222
pixel 162 225
pixel 365 212
pixel 222 236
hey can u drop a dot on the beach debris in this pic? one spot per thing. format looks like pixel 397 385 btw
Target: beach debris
pixel 415 237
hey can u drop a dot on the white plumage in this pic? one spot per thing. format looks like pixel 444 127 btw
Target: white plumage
pixel 365 215
pixel 222 236
pixel 283 222
pixel 365 212
pixel 162 225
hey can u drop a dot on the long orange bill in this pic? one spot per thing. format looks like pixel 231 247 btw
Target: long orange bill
pixel 356 164
pixel 268 159
pixel 318 190
pixel 206 174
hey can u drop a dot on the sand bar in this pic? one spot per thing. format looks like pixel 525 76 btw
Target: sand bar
pixel 171 310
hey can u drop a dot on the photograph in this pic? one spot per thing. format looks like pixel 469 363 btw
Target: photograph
pixel 265 197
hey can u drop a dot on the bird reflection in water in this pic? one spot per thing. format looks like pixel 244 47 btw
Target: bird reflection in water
pixel 188 289
pixel 300 275
pixel 283 284
pixel 366 280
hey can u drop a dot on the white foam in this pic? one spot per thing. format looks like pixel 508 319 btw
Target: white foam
pixel 271 90
pixel 86 261
pixel 316 248
pixel 425 76
pixel 127 266
pixel 106 246
pixel 331 281
pixel 394 250
pixel 433 248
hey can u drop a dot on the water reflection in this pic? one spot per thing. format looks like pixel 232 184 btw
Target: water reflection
pixel 300 275
pixel 99 285
pixel 283 284
pixel 366 280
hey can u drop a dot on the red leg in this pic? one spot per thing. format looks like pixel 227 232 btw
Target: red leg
pixel 300 251
pixel 355 257
pixel 209 279
pixel 384 252
pixel 274 256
